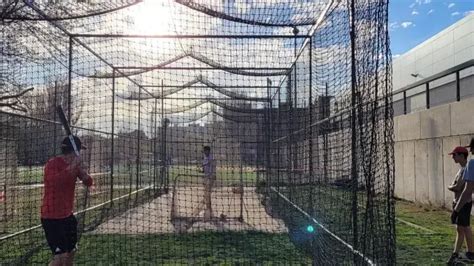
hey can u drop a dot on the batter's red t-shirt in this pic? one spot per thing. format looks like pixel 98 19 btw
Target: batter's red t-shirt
pixel 59 186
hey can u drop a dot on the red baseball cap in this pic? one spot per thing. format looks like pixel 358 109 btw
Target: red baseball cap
pixel 459 149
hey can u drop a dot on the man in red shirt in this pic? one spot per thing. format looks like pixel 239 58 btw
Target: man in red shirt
pixel 57 218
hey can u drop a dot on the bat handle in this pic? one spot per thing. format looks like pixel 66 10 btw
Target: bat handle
pixel 71 139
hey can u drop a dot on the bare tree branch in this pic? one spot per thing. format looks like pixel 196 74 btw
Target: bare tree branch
pixel 5 101
pixel 14 106
pixel 2 98
pixel 8 8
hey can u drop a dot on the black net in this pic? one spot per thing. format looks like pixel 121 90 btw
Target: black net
pixel 217 131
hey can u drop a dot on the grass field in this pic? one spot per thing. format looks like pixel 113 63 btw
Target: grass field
pixel 206 248
pixel 424 235
pixel 24 208
pixel 418 246
pixel 415 246
pixel 30 175
pixel 228 175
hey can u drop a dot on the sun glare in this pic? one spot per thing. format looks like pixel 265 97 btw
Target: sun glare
pixel 152 17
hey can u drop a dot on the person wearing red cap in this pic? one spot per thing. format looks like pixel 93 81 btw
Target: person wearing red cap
pixel 462 221
pixel 57 218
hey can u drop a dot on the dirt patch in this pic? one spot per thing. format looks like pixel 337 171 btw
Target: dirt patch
pixel 230 213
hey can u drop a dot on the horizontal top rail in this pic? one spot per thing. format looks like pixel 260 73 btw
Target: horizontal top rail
pixel 254 99
pixel 205 86
pixel 199 68
pixel 442 74
pixel 186 36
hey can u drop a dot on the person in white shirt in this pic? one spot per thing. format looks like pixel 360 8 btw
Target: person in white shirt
pixel 462 221
pixel 466 195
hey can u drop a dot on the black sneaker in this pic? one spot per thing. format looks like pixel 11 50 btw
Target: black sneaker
pixel 470 256
pixel 452 259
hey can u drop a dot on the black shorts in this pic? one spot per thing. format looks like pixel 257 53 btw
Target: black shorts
pixel 464 216
pixel 61 234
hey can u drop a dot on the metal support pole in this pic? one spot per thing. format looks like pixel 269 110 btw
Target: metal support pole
pixel 270 134
pixel 310 144
pixel 155 111
pixel 289 144
pixel 295 142
pixel 241 217
pixel 55 133
pixel 112 152
pixel 325 114
pixel 354 161
pixel 268 130
pixel 278 166
pixel 69 87
pixel 404 102
pixel 458 87
pixel 138 181
pixel 163 155
pixel 164 181
pixel 427 95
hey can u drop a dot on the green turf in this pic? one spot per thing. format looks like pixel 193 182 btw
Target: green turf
pixel 23 211
pixel 29 175
pixel 124 174
pixel 419 247
pixel 415 246
pixel 206 248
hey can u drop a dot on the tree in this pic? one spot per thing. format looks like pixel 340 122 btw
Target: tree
pixel 39 139
pixel 13 51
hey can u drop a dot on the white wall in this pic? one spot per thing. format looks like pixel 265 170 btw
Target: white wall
pixel 423 168
pixel 448 48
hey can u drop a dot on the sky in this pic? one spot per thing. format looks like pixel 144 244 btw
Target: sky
pixel 414 21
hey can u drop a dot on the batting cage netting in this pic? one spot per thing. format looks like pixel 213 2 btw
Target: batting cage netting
pixel 217 132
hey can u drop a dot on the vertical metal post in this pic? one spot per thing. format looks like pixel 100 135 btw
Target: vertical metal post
pixel 138 138
pixel 295 32
pixel 112 152
pixel 295 142
pixel 354 161
pixel 458 87
pixel 241 217
pixel 163 155
pixel 162 102
pixel 427 95
pixel 164 181
pixel 155 112
pixel 325 115
pixel 278 166
pixel 404 102
pixel 268 130
pixel 263 144
pixel 69 87
pixel 288 124
pixel 310 144
pixel 270 141
pixel 55 133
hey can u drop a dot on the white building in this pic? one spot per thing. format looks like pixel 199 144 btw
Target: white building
pixel 449 48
